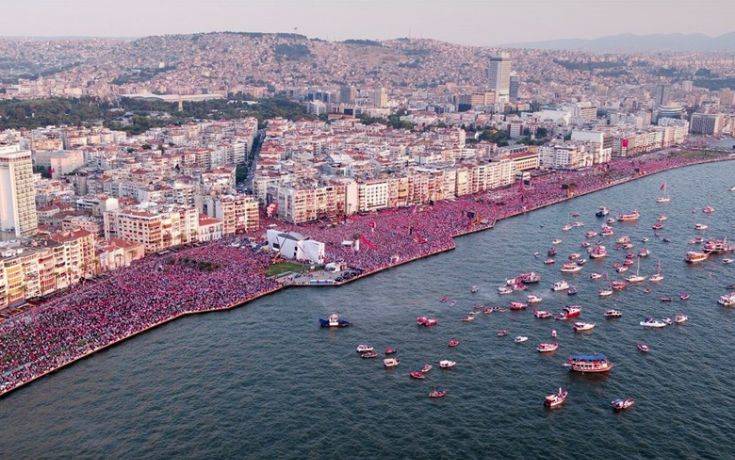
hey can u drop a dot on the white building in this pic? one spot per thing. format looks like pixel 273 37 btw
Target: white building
pixel 17 192
pixel 292 245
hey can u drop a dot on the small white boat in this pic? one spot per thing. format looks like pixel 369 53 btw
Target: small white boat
pixel 362 348
pixel 570 267
pixel 582 327
pixel 701 226
pixel 605 292
pixel 728 261
pixel 567 227
pixel 653 323
pixel 622 404
pixel 531 298
pixel 613 314
pixel 504 290
pixel 520 339
pixel 560 286
pixel 547 347
pixel 680 318
pixel 447 364
pixel 389 363
pixel 556 241
pixel 555 400
pixel 595 276
pixel 727 300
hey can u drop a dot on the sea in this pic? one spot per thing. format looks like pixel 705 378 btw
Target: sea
pixel 264 381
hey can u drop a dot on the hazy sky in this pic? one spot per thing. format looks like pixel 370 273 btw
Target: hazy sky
pixel 463 21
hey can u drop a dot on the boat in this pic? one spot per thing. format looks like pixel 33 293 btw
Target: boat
pixel 426 322
pixel 547 347
pixel 390 351
pixel 642 347
pixel 453 343
pixel 474 289
pixel 727 300
pixel 504 290
pixel 657 226
pixel 589 363
pixel 437 392
pixel 668 321
pixel 598 252
pixel 717 246
pixel 602 211
pixel 542 314
pixel 590 234
pixel 582 327
pixel 333 321
pixel 469 318
pixel 447 364
pixel 570 267
pixel 607 231
pixel 694 257
pixel 708 209
pixel 560 286
pixel 585 244
pixel 517 306
pixel 728 261
pixel 549 261
pixel 666 298
pixel 696 240
pixel 622 404
pixel 664 197
pixel 502 333
pixel 621 269
pixel 520 339
pixel 666 240
pixel 577 223
pixel 732 189
pixel 368 354
pixel 662 217
pixel 680 318
pixel 684 296
pixel 652 323
pixel 623 240
pixel 566 227
pixel 596 276
pixel 644 252
pixel 644 239
pixel 611 314
pixel 657 277
pixel 573 257
pixel 611 220
pixel 637 278
pixel 427 367
pixel 556 241
pixel 529 278
pixel 569 312
pixel 605 292
pixel 630 217
pixel 581 262
pixel 362 348
pixel 618 285
pixel 572 290
pixel 555 400
pixel 390 363
pixel 701 226
pixel 532 299
pixel 418 375
pixel 551 252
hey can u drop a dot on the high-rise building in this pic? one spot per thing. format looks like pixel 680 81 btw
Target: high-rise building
pixel 726 98
pixel 514 86
pixel 661 95
pixel 498 73
pixel 380 97
pixel 17 192
pixel 347 94
pixel 706 123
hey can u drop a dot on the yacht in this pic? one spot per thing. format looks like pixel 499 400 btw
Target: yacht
pixel 582 327
pixel 652 323
pixel 560 286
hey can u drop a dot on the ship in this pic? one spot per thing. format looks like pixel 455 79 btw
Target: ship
pixel 630 217
pixel 589 363
pixel 333 321
pixel 694 257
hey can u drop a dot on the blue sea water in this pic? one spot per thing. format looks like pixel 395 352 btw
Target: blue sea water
pixel 263 381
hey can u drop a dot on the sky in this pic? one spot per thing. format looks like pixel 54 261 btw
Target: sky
pixel 474 22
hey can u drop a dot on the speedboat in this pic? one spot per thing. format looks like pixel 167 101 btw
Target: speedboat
pixel 362 348
pixel 447 364
pixel 547 347
pixel 605 292
pixel 531 298
pixel 708 210
pixel 602 211
pixel 611 314
pixel 437 392
pixel 369 354
pixel 517 306
pixel 680 318
pixel 542 314
pixel 569 312
pixel 418 375
pixel 555 400
pixel 701 226
pixel 694 257
pixel 582 327
pixel 549 261
pixel 390 363
pixel 426 322
pixel 520 339
pixel 595 276
pixel 642 347
pixel 728 261
pixel 570 267
pixel 589 363
pixel 502 333
pixel 474 289
pixel 504 290
pixel 652 323
pixel 333 321
pixel 453 343
pixel 560 286
pixel 622 404
pixel 727 300
pixel 556 241
pixel 684 296
pixel 427 367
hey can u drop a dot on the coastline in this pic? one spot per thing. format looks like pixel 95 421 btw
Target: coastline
pixel 448 247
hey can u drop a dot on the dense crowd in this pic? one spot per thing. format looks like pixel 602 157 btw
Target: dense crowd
pixel 222 275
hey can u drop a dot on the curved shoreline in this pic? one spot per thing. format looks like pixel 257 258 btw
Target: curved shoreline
pixel 446 248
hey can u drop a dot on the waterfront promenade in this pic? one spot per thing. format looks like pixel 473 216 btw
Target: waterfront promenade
pixel 218 276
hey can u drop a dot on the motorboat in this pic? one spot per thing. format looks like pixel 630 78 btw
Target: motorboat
pixel 696 240
pixel 427 367
pixel 520 339
pixel 717 246
pixel 517 306
pixel 589 363
pixel 602 211
pixel 662 217
pixel 447 364
pixel 504 290
pixel 666 298
pixel 390 363
pixel 611 220
pixel 468 318
pixel 582 327
pixel 362 348
pixel 642 347
pixel 390 351
pixel 596 276
pixel 502 333
pixel 555 400
pixel 549 261
pixel 621 269
pixel 333 321
pixel 694 257
pixel 653 323
pixel 418 375
pixel 668 321
pixel 622 404
pixel 474 289
pixel 453 343
pixel 623 240
pixel 573 257
pixel 701 226
pixel 542 314
pixel 547 347
pixel 684 296
pixel 618 285
pixel 680 318
pixel 657 226
pixel 607 231
pixel 560 286
pixel 533 299
pixel 577 223
pixel 727 300
pixel 567 227
pixel 437 392
pixel 644 252
pixel 728 261
pixel 570 267
pixel 611 314
pixel 590 234
pixel 708 209
pixel 556 241
pixel 598 252
pixel 630 217
pixel 605 292
pixel 569 312
pixel 529 278
pixel 572 290
pixel 426 322
pixel 369 354
pixel 585 244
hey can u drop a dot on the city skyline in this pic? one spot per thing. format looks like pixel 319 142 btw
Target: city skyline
pixel 465 22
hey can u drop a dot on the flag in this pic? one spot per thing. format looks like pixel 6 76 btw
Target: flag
pixel 663 186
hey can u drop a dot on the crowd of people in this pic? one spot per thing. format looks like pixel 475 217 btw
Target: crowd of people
pixel 222 275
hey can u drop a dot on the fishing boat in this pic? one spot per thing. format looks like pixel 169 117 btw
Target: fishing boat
pixel 630 217
pixel 426 322
pixel 664 197
pixel 727 300
pixel 369 354
pixel 542 314
pixel 605 292
pixel 680 318
pixel 701 226
pixel 504 290
pixel 569 312
pixel 453 343
pixel 708 209
pixel 612 314
pixel 517 306
pixel 622 404
pixel 547 347
pixel 589 363
pixel 437 392
pixel 652 323
pixel 602 211
pixel 362 348
pixel 598 252
pixel 333 321
pixel 560 286
pixel 555 400
pixel 570 267
pixel 427 367
pixel 533 299
pixel 582 327
pixel 418 375
pixel 390 363
pixel 642 347
pixel 520 339
pixel 549 261
pixel 447 364
pixel 694 257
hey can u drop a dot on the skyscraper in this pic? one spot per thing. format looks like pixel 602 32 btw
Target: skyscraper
pixel 17 193
pixel 380 97
pixel 514 86
pixel 662 95
pixel 498 73
pixel 347 94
